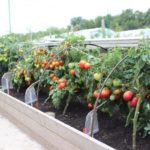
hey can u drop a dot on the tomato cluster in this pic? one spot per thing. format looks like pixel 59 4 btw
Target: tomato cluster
pixel 131 98
pixel 62 83
pixel 84 65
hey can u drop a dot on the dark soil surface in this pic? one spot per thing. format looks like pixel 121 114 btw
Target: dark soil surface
pixel 112 129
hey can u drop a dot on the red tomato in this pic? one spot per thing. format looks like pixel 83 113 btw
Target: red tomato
pixel 128 95
pixel 82 63
pixel 87 66
pixel 72 72
pixel 84 130
pixel 52 75
pixel 133 102
pixel 62 80
pixel 61 85
pixel 90 105
pixel 61 63
pixel 52 54
pixel 105 93
pixel 62 56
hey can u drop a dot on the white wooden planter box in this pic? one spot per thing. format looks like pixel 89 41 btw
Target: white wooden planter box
pixel 48 131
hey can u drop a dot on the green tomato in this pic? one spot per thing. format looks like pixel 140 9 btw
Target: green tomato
pixel 61 68
pixel 109 82
pixel 5 59
pixel 21 51
pixel 41 70
pixel 98 76
pixel 15 81
pixel 71 65
pixel 112 97
pixel 27 78
pixel 117 82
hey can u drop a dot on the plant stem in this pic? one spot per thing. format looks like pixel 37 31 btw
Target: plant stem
pixel 128 117
pixel 67 104
pixel 46 100
pixel 135 119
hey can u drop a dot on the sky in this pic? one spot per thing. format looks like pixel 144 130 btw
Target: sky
pixel 36 15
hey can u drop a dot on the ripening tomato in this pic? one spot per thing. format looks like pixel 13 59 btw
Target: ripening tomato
pixel 117 91
pixel 41 51
pixel 128 95
pixel 36 60
pixel 72 72
pixel 56 64
pixel 45 61
pixel 43 65
pixel 96 94
pixel 87 66
pixel 25 72
pixel 61 85
pixel 133 102
pixel 105 93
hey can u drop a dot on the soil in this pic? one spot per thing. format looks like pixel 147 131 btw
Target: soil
pixel 112 129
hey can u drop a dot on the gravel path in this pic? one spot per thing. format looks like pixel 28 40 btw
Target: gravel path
pixel 12 138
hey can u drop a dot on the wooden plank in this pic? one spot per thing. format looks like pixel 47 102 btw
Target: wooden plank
pixel 54 133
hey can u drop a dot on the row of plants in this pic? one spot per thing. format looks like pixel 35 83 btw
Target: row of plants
pixel 11 50
pixel 71 72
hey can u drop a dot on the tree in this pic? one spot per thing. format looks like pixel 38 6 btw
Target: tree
pixel 147 18
pixel 98 21
pixel 108 19
pixel 77 22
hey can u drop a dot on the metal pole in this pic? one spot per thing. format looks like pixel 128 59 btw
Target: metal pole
pixel 103 27
pixel 9 16
pixel 30 32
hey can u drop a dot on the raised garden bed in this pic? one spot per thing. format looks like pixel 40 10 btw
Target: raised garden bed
pixel 53 134
pixel 110 128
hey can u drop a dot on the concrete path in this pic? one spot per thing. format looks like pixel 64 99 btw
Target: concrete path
pixel 12 138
